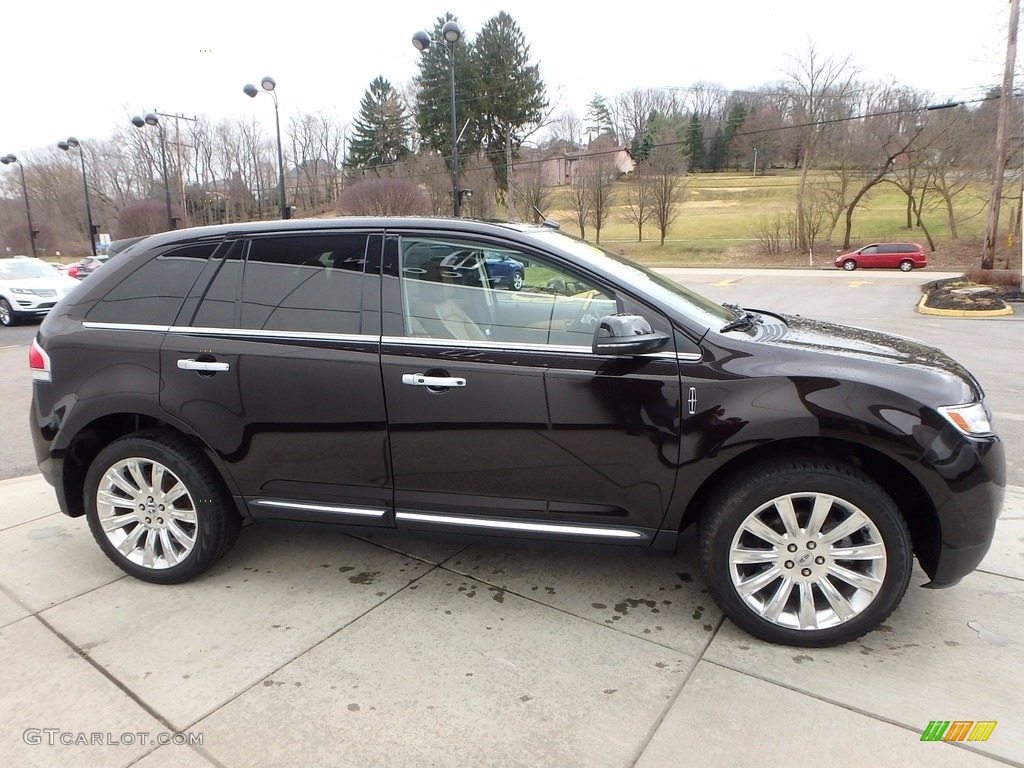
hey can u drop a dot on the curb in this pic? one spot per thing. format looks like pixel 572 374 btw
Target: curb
pixel 923 309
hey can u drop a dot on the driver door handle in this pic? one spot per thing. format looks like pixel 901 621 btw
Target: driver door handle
pixel 437 382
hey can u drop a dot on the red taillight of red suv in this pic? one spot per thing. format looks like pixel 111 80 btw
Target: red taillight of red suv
pixel 38 362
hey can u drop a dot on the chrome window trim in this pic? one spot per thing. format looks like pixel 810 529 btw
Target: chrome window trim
pixel 692 357
pixel 254 333
pixel 365 512
pixel 407 341
pixel 124 327
pixel 511 525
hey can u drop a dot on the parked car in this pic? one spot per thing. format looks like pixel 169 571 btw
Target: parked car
pixel 902 256
pixel 366 373
pixel 504 270
pixel 29 288
pixel 86 266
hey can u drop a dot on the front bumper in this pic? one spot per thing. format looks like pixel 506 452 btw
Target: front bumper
pixel 974 475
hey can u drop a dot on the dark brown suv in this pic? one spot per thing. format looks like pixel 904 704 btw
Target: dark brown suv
pixel 372 374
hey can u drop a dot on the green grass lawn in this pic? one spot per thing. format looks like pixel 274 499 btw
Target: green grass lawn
pixel 719 220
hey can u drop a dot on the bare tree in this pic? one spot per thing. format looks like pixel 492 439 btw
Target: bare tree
pixel 668 169
pixel 578 195
pixel 892 130
pixel 567 128
pixel 601 172
pixel 951 162
pixel 821 91
pixel 640 198
pixel 528 179
pixel 384 197
pixel 428 170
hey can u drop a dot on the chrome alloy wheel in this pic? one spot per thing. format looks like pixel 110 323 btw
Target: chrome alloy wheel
pixel 147 513
pixel 807 561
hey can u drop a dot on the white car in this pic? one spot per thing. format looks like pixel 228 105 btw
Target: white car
pixel 29 288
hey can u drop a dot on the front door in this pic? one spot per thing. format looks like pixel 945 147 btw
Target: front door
pixel 501 419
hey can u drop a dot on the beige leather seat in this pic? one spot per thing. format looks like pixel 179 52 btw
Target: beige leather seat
pixel 447 320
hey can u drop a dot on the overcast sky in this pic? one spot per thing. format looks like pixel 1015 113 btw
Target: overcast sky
pixel 83 72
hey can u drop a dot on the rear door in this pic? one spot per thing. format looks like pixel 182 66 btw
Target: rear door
pixel 275 364
pixel 502 420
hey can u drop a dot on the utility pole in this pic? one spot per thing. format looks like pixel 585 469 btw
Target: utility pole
pixel 1005 102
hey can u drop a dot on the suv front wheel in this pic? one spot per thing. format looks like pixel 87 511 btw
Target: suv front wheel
pixel 806 552
pixel 7 317
pixel 157 509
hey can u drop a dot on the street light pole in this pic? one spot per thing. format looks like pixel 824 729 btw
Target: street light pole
pixel 269 85
pixel 152 119
pixel 451 32
pixel 72 143
pixel 7 160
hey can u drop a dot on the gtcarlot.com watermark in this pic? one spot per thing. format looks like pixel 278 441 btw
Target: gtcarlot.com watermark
pixel 52 737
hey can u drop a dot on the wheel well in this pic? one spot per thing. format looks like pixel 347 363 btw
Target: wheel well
pixel 90 441
pixel 910 497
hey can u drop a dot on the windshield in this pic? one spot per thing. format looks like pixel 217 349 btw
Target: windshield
pixel 665 290
pixel 25 269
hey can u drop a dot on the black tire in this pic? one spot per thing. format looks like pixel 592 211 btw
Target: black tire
pixel 7 316
pixel 849 265
pixel 195 525
pixel 792 592
pixel 517 281
pixel 906 265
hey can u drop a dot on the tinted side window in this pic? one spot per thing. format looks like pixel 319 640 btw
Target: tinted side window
pixel 220 299
pixel 153 294
pixel 870 250
pixel 458 289
pixel 309 283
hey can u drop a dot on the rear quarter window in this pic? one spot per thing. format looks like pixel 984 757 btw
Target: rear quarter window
pixel 153 293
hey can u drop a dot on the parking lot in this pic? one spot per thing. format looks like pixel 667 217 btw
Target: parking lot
pixel 305 647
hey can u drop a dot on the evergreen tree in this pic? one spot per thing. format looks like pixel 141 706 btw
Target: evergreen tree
pixel 694 145
pixel 510 95
pixel 433 95
pixel 599 117
pixel 382 131
pixel 641 145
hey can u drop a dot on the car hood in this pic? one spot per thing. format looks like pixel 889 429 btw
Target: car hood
pixel 865 353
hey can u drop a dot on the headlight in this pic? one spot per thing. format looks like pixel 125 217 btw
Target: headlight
pixel 28 291
pixel 972 419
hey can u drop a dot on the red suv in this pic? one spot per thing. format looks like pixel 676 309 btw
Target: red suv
pixel 905 256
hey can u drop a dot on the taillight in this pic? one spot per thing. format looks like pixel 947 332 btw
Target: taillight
pixel 38 362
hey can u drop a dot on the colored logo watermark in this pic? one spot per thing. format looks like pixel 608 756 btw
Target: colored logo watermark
pixel 958 730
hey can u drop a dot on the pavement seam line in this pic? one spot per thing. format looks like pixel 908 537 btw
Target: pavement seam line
pixel 433 567
pixel 856 710
pixel 121 687
pixel 536 601
pixel 660 721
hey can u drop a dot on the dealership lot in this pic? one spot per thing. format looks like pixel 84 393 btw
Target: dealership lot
pixel 305 647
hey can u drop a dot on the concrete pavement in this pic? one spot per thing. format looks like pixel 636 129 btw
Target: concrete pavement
pixel 332 650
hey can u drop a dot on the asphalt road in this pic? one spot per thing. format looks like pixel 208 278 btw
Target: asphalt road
pixel 882 300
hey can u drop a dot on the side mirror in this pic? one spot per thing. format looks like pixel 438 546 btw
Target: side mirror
pixel 626 335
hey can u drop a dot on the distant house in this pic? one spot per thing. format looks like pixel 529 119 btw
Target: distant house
pixel 561 163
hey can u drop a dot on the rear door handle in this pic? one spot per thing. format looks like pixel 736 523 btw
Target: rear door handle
pixel 191 364
pixel 436 382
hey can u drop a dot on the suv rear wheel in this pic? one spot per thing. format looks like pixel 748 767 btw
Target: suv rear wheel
pixel 805 552
pixel 157 509
pixel 906 265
